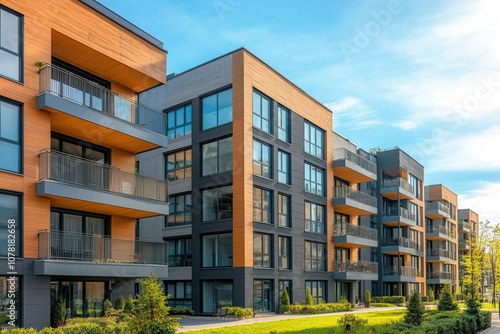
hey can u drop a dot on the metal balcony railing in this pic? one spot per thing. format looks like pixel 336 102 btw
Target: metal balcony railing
pixel 345 154
pixel 399 182
pixel 402 213
pixel 66 168
pixel 355 195
pixel 57 245
pixel 436 228
pixel 463 225
pixel 401 271
pixel 402 242
pixel 437 206
pixel 348 266
pixel 441 253
pixel 60 82
pixel 355 230
pixel 440 275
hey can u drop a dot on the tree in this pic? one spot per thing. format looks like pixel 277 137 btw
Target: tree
pixel 414 310
pixel 430 294
pixel 150 310
pixel 284 301
pixel 309 297
pixel 472 279
pixel 446 301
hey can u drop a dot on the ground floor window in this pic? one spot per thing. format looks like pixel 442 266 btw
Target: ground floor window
pixel 343 290
pixel 414 287
pixel 83 299
pixel 10 301
pixel 263 296
pixel 181 294
pixel 318 290
pixel 216 294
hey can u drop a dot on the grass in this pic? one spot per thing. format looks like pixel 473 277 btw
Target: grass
pixel 316 325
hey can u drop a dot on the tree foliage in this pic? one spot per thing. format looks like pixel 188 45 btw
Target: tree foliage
pixel 414 310
pixel 309 297
pixel 446 301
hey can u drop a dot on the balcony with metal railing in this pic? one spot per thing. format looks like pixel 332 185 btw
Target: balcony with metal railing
pixel 116 120
pixel 84 255
pixel 440 255
pixel 463 227
pixel 354 202
pixel 107 189
pixel 355 270
pixel 352 167
pixel 437 209
pixel 440 277
pixel 401 273
pixel 403 217
pixel 401 245
pixel 398 188
pixel 349 235
pixel 437 231
pixel 463 245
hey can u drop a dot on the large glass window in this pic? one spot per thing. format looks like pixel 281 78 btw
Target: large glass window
pixel 83 299
pixel 11 44
pixel 315 254
pixel 318 291
pixel 179 252
pixel 414 185
pixel 10 135
pixel 284 211
pixel 179 165
pixel 262 250
pixel 283 124
pixel 263 296
pixel 262 206
pixel 10 225
pixel 314 179
pixel 217 203
pixel 284 160
pixel 179 122
pixel 314 218
pixel 180 210
pixel 262 112
pixel 215 295
pixel 262 159
pixel 181 293
pixel 313 140
pixel 217 109
pixel 9 295
pixel 217 250
pixel 217 156
pixel 285 252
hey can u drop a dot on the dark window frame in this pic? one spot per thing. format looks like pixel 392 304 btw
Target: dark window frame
pixel 20 142
pixel 184 258
pixel 310 142
pixel 218 110
pixel 308 180
pixel 285 252
pixel 258 115
pixel 173 200
pixel 264 258
pixel 259 205
pixel 281 164
pixel 219 168
pixel 320 226
pixel 315 257
pixel 259 166
pixel 18 224
pixel 218 211
pixel 20 54
pixel 286 214
pixel 187 127
pixel 176 169
pixel 284 124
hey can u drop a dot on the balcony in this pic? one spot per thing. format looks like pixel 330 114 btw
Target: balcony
pixel 439 232
pixel 463 227
pixel 352 167
pixel 396 245
pixel 350 235
pixel 86 255
pixel 98 188
pixel 403 217
pixel 463 245
pixel 397 188
pixel 440 277
pixel 437 209
pixel 100 114
pixel 401 274
pixel 353 202
pixel 355 270
pixel 440 255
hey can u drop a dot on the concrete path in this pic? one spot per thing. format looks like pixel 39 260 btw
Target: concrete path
pixel 495 325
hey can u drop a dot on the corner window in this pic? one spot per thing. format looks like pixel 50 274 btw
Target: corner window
pixel 11 44
pixel 284 160
pixel 217 156
pixel 179 122
pixel 217 250
pixel 10 225
pixel 262 206
pixel 262 250
pixel 10 135
pixel 315 255
pixel 262 159
pixel 180 210
pixel 314 179
pixel 313 140
pixel 179 165
pixel 314 218
pixel 284 124
pixel 217 203
pixel 217 109
pixel 262 112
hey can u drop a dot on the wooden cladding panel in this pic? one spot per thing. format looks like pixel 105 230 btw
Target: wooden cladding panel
pixel 439 192
pixel 122 227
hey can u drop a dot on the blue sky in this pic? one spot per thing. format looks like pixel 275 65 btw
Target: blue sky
pixel 423 76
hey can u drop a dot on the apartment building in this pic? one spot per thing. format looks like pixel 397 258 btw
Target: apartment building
pixel 468 230
pixel 70 127
pixel 441 234
pixel 250 173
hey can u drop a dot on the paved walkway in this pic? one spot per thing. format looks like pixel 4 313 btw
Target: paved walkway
pixel 495 325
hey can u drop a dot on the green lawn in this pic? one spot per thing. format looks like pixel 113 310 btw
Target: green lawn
pixel 314 325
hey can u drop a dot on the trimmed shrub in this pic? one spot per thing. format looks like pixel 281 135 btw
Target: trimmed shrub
pixel 181 310
pixel 352 321
pixel 389 299
pixel 309 297
pixel 320 308
pixel 240 312
pixel 284 301
pixel 120 303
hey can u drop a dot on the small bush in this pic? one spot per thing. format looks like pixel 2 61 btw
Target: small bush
pixel 120 303
pixel 446 301
pixel 309 297
pixel 414 310
pixel 107 305
pixel 240 312
pixel 382 304
pixel 389 299
pixel 184 310
pixel 284 301
pixel 320 308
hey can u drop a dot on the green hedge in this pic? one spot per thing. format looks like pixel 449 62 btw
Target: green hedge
pixel 181 310
pixel 317 308
pixel 240 312
pixel 389 299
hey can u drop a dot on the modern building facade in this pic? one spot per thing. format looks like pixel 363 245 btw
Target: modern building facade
pixel 468 230
pixel 70 128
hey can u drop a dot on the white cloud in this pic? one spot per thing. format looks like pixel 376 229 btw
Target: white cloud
pixel 484 200
pixel 405 125
pixel 351 113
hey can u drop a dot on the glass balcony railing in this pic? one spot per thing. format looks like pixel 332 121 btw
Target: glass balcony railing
pixel 345 154
pixel 441 253
pixel 463 225
pixel 390 212
pixel 355 195
pixel 401 183
pixel 67 85
pixel 356 231
pixel 66 168
pixel 65 246
pixel 437 206
pixel 348 266
pixel 402 242
pixel 440 275
pixel 436 228
pixel 401 271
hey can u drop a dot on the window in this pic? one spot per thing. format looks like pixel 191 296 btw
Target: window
pixel 263 295
pixel 180 210
pixel 179 122
pixel 217 250
pixel 286 284
pixel 262 206
pixel 262 112
pixel 284 211
pixel 83 299
pixel 262 250
pixel 318 291
pixel 313 140
pixel 181 293
pixel 314 218
pixel 215 295
pixel 285 252
pixel 10 219
pixel 283 124
pixel 414 185
pixel 413 212
pixel 262 159
pixel 179 165
pixel 314 179
pixel 10 135
pixel 10 292
pixel 284 160
pixel 217 156
pixel 217 203
pixel 11 44
pixel 315 254
pixel 179 252
pixel 217 109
